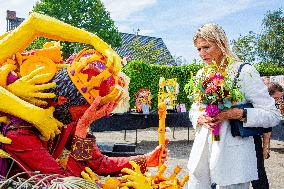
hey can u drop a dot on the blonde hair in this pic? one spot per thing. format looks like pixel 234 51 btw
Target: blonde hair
pixel 214 33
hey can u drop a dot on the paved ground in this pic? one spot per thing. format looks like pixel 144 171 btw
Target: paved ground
pixel 180 149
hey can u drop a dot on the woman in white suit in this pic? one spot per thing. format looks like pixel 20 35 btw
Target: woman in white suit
pixel 231 162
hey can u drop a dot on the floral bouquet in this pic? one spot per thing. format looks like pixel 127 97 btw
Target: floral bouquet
pixel 214 90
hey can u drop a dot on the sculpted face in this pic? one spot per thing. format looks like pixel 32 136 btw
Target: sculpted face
pixel 208 51
pixel 93 76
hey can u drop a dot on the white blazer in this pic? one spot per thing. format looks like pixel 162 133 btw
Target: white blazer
pixel 232 160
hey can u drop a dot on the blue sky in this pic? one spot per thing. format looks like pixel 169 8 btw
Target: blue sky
pixel 175 21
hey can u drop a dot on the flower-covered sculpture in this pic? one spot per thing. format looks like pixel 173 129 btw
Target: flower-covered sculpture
pixel 138 180
pixel 39 94
pixel 143 97
pixel 168 92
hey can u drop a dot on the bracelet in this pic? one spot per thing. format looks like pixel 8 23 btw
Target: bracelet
pixel 244 116
pixel 141 161
pixel 82 148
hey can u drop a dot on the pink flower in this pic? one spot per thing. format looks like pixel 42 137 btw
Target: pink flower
pixel 208 90
pixel 212 110
pixel 211 89
pixel 218 76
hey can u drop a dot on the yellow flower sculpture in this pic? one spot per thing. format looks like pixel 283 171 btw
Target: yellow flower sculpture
pixel 31 71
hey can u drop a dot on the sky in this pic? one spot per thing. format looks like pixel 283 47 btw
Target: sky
pixel 175 21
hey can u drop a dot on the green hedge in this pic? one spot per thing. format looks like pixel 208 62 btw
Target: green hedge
pixel 268 69
pixel 148 75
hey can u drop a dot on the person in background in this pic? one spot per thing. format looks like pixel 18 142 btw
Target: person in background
pixel 276 91
pixel 262 145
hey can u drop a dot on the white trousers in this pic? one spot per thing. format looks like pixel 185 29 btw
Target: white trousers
pixel 204 177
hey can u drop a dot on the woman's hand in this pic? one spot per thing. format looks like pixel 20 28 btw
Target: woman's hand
pixel 211 122
pixel 233 113
pixel 152 158
pixel 206 121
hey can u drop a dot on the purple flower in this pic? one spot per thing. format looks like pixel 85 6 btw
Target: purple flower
pixel 212 110
pixel 88 54
pixel 12 77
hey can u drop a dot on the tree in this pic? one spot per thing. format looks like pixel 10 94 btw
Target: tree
pixel 245 47
pixel 86 14
pixel 267 46
pixel 270 41
pixel 180 61
pixel 148 53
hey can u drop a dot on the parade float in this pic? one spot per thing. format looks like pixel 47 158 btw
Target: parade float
pixel 34 87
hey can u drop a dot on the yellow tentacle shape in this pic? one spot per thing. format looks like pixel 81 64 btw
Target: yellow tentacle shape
pixel 38 25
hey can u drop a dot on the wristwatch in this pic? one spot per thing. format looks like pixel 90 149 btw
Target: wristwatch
pixel 244 116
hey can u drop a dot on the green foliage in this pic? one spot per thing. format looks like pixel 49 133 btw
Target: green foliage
pixel 38 43
pixel 148 53
pixel 145 53
pixel 147 76
pixel 88 14
pixel 266 47
pixel 268 69
pixel 245 47
pixel 270 41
